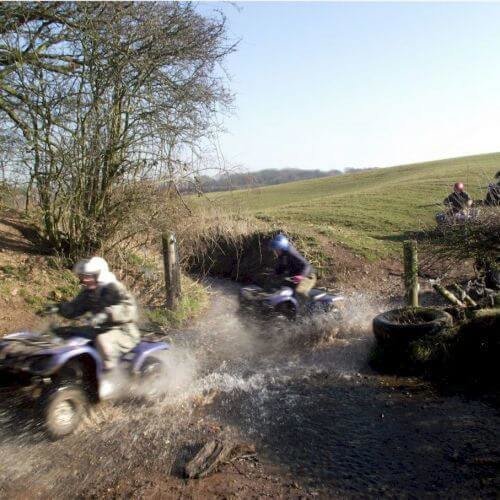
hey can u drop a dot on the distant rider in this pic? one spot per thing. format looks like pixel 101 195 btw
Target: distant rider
pixel 291 264
pixel 459 200
pixel 493 195
pixel 112 308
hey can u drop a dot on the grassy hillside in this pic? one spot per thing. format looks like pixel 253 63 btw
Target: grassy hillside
pixel 368 212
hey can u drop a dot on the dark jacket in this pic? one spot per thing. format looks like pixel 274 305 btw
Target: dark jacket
pixel 292 263
pixel 493 196
pixel 113 299
pixel 457 201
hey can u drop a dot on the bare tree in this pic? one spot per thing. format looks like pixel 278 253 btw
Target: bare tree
pixel 105 97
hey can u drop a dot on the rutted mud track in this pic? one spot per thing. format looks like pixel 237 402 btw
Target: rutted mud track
pixel 322 423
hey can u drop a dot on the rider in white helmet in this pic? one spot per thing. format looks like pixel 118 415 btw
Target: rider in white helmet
pixel 112 308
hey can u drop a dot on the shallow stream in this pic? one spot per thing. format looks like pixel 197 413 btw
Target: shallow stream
pixel 303 394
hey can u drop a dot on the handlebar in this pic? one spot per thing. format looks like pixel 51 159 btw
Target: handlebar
pixel 48 310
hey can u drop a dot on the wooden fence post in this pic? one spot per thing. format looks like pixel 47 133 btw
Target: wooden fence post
pixel 411 272
pixel 172 270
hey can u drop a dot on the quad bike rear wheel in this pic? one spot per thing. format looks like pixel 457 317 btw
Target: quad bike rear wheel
pixel 63 409
pixel 286 310
pixel 150 372
pixel 151 368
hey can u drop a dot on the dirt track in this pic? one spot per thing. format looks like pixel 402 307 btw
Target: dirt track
pixel 322 423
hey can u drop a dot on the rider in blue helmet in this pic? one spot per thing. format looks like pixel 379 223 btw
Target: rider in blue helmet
pixel 280 242
pixel 291 264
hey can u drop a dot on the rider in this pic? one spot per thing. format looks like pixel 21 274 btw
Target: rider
pixel 291 264
pixel 113 310
pixel 493 194
pixel 459 200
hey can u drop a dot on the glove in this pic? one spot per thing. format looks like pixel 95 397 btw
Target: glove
pixel 297 279
pixel 98 319
pixel 49 309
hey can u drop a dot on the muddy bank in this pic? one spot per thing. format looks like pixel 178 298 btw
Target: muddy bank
pixel 242 257
pixel 323 423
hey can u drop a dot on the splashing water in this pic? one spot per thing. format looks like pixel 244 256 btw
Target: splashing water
pixel 298 391
pixel 223 352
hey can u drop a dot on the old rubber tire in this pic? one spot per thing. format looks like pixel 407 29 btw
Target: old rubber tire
pixel 63 409
pixel 388 328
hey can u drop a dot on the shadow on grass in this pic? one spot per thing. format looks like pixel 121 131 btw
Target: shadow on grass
pixel 428 235
pixel 392 237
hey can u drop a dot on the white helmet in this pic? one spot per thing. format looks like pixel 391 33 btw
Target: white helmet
pixel 98 267
pixel 105 276
pixel 95 266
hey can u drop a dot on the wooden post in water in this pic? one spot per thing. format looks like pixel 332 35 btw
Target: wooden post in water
pixel 172 270
pixel 411 272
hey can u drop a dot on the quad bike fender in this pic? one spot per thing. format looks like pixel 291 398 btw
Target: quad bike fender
pixel 53 359
pixel 289 300
pixel 143 350
pixel 331 299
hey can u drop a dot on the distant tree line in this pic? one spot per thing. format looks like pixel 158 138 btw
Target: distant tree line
pixel 266 177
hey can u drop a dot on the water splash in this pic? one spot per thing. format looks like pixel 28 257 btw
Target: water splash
pixel 221 358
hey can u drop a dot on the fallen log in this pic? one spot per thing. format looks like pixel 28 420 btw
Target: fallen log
pixel 447 295
pixel 493 313
pixel 215 453
pixel 464 297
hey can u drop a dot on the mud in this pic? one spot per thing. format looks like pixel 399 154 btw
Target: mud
pixel 323 424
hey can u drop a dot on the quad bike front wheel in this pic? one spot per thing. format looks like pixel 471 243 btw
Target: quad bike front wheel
pixel 63 409
pixel 285 311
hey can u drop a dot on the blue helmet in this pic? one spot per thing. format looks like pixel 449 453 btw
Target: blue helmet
pixel 279 242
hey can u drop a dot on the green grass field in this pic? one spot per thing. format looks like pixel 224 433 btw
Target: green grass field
pixel 369 212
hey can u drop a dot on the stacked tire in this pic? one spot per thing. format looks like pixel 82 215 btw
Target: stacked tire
pixel 392 327
pixel 399 333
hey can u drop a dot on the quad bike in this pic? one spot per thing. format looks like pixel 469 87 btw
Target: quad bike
pixel 281 302
pixel 63 371
pixel 461 217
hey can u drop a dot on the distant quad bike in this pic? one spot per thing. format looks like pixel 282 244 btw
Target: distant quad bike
pixel 461 217
pixel 63 371
pixel 281 302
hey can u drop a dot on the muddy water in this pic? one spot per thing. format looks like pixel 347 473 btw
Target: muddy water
pixel 303 394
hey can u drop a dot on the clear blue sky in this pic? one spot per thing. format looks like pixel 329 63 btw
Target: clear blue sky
pixel 335 85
